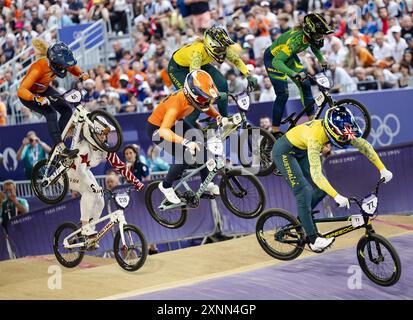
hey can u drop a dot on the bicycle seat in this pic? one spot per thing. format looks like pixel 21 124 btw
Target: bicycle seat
pixel 289 119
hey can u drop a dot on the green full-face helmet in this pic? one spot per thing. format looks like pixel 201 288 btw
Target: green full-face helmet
pixel 217 41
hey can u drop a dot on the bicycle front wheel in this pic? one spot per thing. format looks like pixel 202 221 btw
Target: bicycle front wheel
pixel 55 191
pixel 379 260
pixel 111 131
pixel 173 218
pixel 133 254
pixel 360 113
pixel 242 194
pixel 68 257
pixel 280 234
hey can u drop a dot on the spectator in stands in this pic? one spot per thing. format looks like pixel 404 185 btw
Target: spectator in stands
pixel 235 83
pixel 200 14
pixel 3 112
pixel 363 81
pixel 405 79
pixel 358 56
pixel 342 80
pixel 338 52
pixel 385 78
pixel 266 123
pixel 32 150
pixel 138 168
pixel 381 50
pixel 92 95
pixel 399 44
pixel 407 26
pixel 73 10
pixel 147 105
pixel 112 180
pixel 154 161
pixel 267 91
pixel 12 205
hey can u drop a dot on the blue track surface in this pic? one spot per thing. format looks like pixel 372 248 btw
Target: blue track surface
pixel 324 276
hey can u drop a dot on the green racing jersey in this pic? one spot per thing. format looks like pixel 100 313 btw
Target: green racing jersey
pixel 285 48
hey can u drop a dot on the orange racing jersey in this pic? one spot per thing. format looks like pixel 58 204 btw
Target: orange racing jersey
pixel 38 79
pixel 171 109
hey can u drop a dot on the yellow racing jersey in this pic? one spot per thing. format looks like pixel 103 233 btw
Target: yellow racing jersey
pixel 195 56
pixel 311 136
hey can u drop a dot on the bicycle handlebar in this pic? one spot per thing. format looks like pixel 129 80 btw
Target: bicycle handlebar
pixel 374 192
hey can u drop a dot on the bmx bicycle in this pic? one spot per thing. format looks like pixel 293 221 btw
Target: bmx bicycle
pixel 129 245
pixel 241 192
pixel 49 179
pixel 256 153
pixel 282 236
pixel 323 100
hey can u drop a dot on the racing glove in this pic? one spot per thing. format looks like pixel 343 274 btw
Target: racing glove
pixel 300 76
pixel 41 101
pixel 252 82
pixel 341 201
pixel 386 175
pixel 191 145
pixel 324 66
pixel 84 77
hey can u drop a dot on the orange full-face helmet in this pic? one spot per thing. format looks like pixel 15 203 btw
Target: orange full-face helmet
pixel 200 90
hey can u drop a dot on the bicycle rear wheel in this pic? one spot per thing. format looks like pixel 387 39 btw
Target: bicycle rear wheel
pixel 379 260
pixel 280 234
pixel 132 256
pixel 171 219
pixel 56 191
pixel 68 258
pixel 242 193
pixel 113 138
pixel 255 151
pixel 360 113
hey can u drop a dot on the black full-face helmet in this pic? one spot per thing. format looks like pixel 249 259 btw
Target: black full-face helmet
pixel 60 58
pixel 315 27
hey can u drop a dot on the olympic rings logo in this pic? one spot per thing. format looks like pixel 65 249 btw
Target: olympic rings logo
pixel 389 127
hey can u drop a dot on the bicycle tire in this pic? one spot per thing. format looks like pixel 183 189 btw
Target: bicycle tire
pixel 379 240
pixel 225 182
pixel 149 206
pixel 38 190
pixel 362 109
pixel 259 232
pixel 58 255
pixel 117 241
pixel 266 142
pixel 92 116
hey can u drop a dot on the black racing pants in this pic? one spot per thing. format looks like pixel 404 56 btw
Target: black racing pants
pixel 50 112
pixel 177 151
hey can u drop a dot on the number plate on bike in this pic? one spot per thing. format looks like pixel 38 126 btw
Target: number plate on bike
pixel 243 101
pixel 211 164
pixel 369 204
pixel 357 220
pixel 122 199
pixel 319 99
pixel 236 118
pixel 73 96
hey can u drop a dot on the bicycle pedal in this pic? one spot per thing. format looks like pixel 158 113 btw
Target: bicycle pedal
pixel 208 196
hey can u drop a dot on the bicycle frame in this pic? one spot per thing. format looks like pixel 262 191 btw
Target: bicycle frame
pixel 345 229
pixel 214 166
pixel 78 119
pixel 116 217
pixel 324 97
